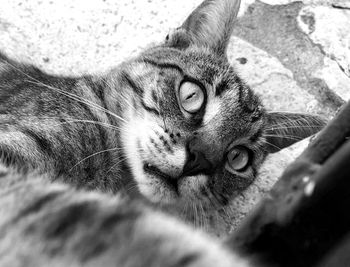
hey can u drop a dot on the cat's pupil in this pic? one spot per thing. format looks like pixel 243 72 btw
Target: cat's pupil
pixel 190 96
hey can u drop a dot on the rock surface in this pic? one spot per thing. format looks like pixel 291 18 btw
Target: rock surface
pixel 302 48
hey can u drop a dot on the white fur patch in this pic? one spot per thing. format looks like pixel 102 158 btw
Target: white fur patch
pixel 211 110
pixel 136 139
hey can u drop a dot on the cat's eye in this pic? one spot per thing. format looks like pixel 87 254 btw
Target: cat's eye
pixel 237 159
pixel 191 97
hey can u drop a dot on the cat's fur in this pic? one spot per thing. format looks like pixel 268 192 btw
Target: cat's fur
pixel 125 129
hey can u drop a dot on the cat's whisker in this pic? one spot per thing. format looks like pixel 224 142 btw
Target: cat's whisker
pixel 294 122
pixel 89 121
pixel 116 164
pixel 127 102
pixel 184 209
pixel 94 154
pixel 203 217
pixel 132 187
pixel 201 211
pixel 72 120
pixel 78 99
pixel 121 96
pixel 72 96
pixel 194 208
pixel 226 213
pixel 272 128
pixel 213 200
pixel 198 206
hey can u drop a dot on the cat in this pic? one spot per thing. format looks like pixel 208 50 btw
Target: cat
pixel 175 126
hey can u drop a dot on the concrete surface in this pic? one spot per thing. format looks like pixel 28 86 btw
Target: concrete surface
pixel 296 55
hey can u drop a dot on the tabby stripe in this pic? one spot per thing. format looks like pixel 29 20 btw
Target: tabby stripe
pixel 221 87
pixel 187 260
pixel 3 174
pixel 103 137
pixel 97 88
pixel 68 217
pixel 241 92
pixel 36 206
pixel 164 65
pixel 224 85
pixel 149 109
pixel 93 246
pixel 42 142
pixel 3 57
pixel 9 157
pixel 256 136
pixel 137 89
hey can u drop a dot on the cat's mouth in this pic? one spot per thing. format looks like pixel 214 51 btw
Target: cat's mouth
pixel 170 181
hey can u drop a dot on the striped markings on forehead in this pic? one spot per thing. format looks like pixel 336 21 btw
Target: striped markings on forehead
pixel 143 73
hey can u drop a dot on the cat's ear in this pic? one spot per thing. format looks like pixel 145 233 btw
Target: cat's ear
pixel 209 25
pixel 284 129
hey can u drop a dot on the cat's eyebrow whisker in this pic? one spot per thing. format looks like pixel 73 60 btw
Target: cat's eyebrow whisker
pixel 94 154
pixel 292 137
pixel 274 127
pixel 294 122
pixel 268 143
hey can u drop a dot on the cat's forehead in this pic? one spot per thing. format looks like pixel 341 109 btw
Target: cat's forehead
pixel 199 63
pixel 161 71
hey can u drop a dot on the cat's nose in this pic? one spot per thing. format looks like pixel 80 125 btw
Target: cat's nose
pixel 196 162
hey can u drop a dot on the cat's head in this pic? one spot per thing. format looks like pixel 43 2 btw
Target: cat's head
pixel 193 129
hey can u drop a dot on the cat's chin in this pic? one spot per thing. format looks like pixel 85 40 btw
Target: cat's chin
pixel 162 188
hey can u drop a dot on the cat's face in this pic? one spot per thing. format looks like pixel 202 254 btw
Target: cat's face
pixel 193 130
